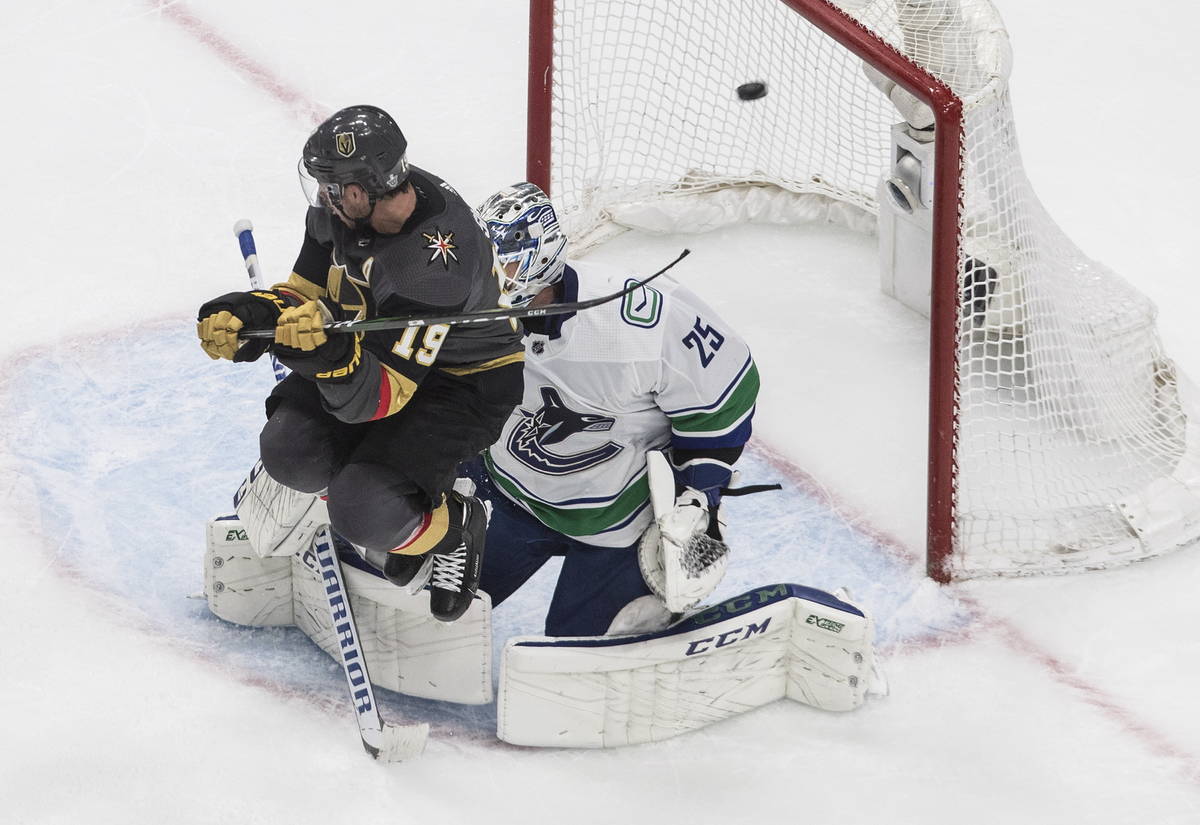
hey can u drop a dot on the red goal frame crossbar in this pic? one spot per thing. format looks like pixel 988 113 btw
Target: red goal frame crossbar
pixel 947 209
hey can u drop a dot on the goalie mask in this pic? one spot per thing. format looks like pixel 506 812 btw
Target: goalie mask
pixel 523 225
pixel 359 144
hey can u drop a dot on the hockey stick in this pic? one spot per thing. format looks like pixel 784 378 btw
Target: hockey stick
pixel 243 230
pixel 386 742
pixel 485 316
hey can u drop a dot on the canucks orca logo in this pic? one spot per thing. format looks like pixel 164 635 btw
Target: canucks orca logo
pixel 553 424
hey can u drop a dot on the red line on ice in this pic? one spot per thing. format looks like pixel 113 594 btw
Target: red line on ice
pixel 813 488
pixel 1153 739
pixel 1016 640
pixel 245 65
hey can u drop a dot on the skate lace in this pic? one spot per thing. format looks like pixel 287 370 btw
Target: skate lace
pixel 449 569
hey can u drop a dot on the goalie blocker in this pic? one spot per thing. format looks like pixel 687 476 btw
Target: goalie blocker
pixel 772 642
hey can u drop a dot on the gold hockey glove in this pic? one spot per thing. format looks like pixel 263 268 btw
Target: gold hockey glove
pixel 302 327
pixel 219 334
pixel 219 320
pixel 303 346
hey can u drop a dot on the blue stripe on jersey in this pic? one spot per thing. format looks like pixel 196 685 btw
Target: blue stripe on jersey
pixel 592 500
pixel 626 521
pixel 737 379
pixel 734 438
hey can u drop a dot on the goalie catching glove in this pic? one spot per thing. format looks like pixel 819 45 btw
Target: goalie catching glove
pixel 683 554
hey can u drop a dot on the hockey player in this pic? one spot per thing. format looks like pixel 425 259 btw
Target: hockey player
pixel 378 422
pixel 659 370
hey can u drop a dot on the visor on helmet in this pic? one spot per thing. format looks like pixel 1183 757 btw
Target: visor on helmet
pixel 328 194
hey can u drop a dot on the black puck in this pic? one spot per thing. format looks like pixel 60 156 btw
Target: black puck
pixel 752 91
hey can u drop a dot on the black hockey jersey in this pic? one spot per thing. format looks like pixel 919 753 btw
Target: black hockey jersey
pixel 441 260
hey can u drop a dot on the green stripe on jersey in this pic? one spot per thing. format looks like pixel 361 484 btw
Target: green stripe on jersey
pixel 739 402
pixel 578 521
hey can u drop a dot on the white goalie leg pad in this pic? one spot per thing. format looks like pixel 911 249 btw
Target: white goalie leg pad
pixel 240 586
pixel 406 649
pixel 773 642
pixel 645 614
pixel 278 520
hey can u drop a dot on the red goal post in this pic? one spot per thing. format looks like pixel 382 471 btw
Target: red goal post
pixel 974 527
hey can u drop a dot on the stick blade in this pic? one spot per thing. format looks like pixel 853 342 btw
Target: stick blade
pixel 397 743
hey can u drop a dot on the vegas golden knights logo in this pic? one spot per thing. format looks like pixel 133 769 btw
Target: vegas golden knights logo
pixel 345 143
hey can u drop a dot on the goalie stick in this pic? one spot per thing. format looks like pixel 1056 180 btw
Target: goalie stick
pixel 485 316
pixel 384 741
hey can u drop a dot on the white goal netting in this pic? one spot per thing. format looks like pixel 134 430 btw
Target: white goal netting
pixel 1073 446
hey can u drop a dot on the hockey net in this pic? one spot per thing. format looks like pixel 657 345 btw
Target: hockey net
pixel 1059 437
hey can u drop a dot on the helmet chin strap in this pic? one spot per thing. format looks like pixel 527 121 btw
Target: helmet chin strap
pixel 360 224
pixel 365 223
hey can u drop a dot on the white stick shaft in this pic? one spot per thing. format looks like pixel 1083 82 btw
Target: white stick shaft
pixel 385 742
pixel 243 230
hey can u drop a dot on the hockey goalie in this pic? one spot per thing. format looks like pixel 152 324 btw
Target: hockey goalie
pixel 616 461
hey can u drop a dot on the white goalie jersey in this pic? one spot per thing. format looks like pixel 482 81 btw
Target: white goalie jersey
pixel 658 368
